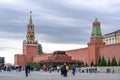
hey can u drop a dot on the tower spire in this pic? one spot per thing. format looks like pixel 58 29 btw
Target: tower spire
pixel 30 20
pixel 96 19
pixel 30 36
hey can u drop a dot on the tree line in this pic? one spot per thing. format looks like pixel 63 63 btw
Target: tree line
pixel 103 62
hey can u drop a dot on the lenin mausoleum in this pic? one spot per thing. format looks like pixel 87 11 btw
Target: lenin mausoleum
pixel 99 45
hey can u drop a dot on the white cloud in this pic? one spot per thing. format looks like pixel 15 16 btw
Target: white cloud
pixel 20 5
pixel 8 1
pixel 98 5
pixel 89 4
pixel 10 47
pixel 61 20
pixel 50 47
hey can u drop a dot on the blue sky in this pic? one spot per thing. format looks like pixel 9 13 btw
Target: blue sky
pixel 62 24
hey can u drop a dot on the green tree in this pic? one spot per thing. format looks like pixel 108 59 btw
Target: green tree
pixel 109 63
pixel 76 64
pixel 114 62
pixel 99 60
pixel 103 61
pixel 81 64
pixel 30 63
pixel 36 65
pixel 50 64
pixel 92 63
pixel 86 64
pixel 119 63
pixel 40 53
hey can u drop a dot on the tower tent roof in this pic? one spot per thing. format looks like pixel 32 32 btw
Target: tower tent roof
pixel 30 20
pixel 96 19
pixel 96 31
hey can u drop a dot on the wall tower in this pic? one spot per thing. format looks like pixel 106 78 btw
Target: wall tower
pixel 96 40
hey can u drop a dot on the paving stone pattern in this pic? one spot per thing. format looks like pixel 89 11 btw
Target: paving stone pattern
pixel 35 75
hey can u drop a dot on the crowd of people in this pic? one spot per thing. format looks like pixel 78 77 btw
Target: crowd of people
pixel 64 69
pixel 27 68
pixel 11 68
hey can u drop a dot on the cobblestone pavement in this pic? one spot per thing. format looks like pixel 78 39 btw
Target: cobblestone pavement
pixel 56 76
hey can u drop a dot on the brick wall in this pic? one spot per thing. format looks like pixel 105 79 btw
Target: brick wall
pixel 109 51
pixel 79 54
pixel 30 50
pixel 40 58
pixel 20 60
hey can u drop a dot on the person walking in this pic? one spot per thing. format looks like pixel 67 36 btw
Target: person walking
pixel 64 70
pixel 73 69
pixel 45 67
pixel 26 70
pixel 29 68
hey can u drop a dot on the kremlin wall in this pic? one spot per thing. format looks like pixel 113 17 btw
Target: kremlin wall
pixel 96 49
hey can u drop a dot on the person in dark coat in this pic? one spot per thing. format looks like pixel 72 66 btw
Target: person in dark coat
pixel 64 70
pixel 26 69
pixel 29 68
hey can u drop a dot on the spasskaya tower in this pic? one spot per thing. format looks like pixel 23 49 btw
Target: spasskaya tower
pixel 30 45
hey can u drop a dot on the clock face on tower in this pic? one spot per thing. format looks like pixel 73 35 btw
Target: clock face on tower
pixel 31 36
